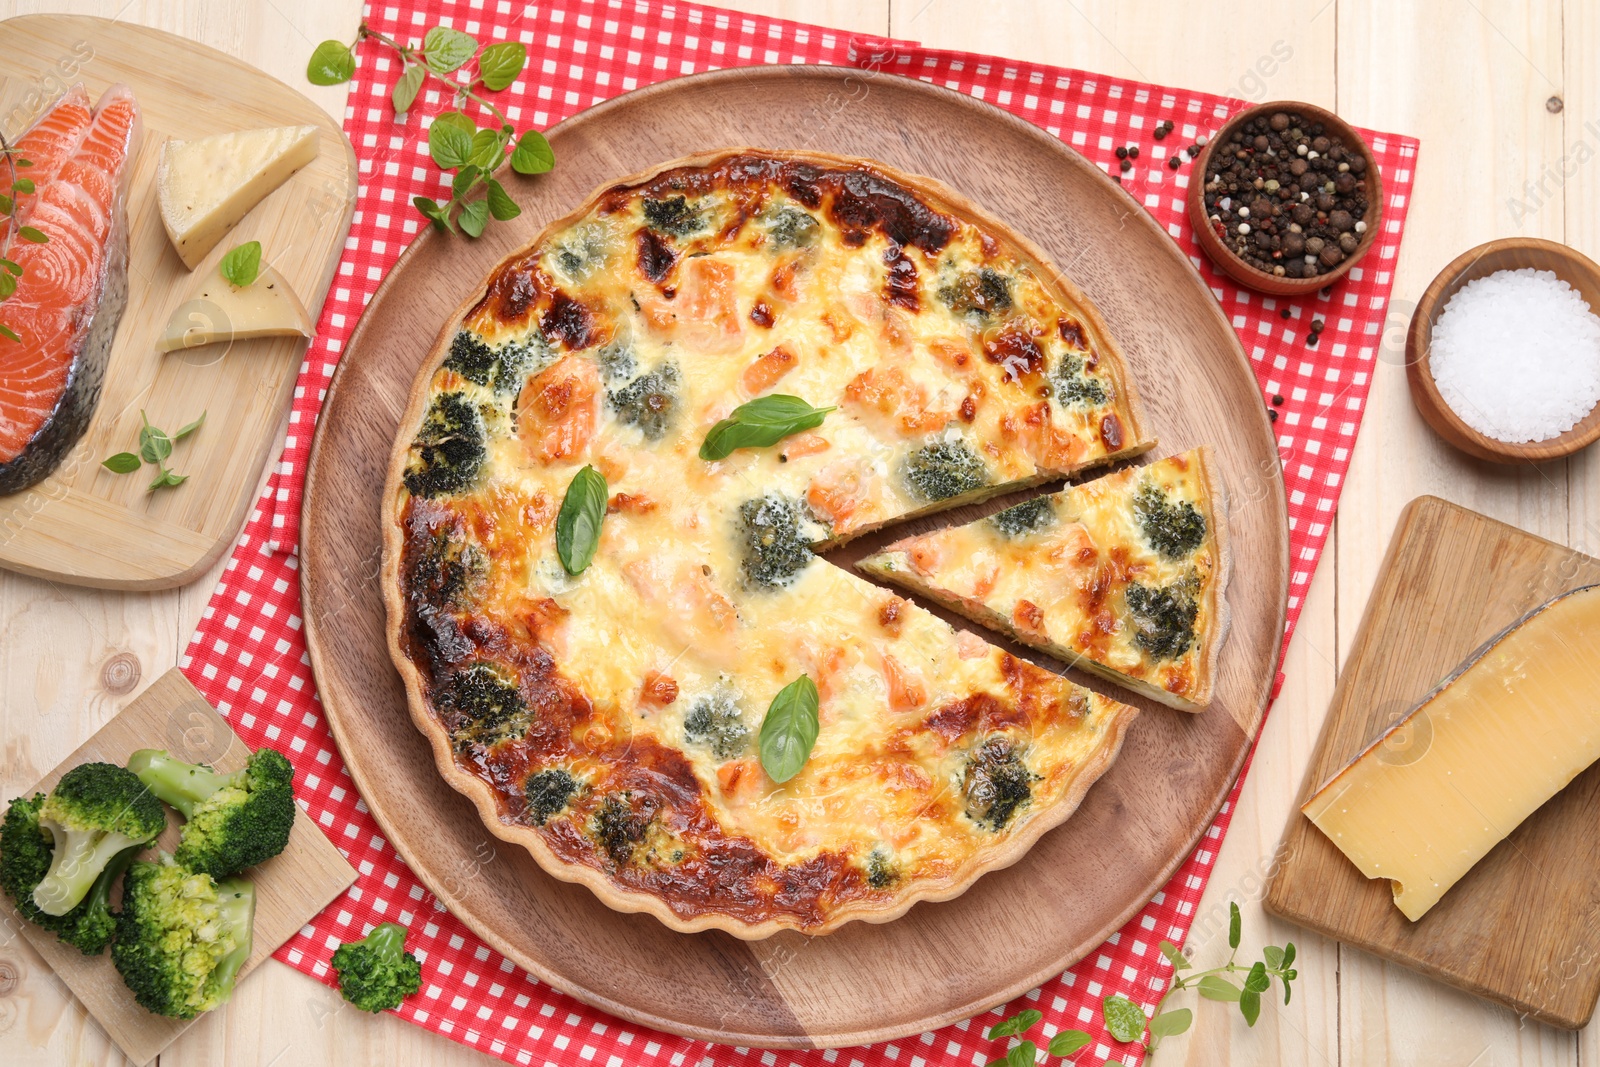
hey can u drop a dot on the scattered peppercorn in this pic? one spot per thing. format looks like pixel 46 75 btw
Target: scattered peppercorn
pixel 1286 313
pixel 1272 414
pixel 1175 162
pixel 1317 325
pixel 1311 339
pixel 1133 151
pixel 1122 151
pixel 1161 133
pixel 1127 165
pixel 1277 401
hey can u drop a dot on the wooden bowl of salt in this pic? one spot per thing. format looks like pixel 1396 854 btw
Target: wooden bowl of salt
pixel 1506 254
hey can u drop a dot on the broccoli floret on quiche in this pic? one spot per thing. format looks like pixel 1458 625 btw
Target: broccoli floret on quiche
pixel 716 723
pixel 1163 619
pixel 983 292
pixel 649 402
pixel 503 367
pixel 616 362
pixel 618 827
pixel 449 572
pixel 882 871
pixel 448 452
pixel 996 783
pixel 672 215
pixel 1174 529
pixel 1075 386
pixel 944 469
pixel 548 793
pixel 772 546
pixel 790 227
pixel 1025 518
pixel 482 707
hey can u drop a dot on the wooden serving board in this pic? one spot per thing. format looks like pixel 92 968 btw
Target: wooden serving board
pixel 83 524
pixel 939 962
pixel 1523 927
pixel 290 888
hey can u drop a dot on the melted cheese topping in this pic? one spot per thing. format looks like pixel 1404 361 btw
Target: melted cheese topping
pixel 616 713
pixel 1118 575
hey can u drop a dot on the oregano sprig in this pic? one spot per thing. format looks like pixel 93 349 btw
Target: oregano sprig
pixel 455 142
pixel 155 447
pixel 10 269
pixel 1025 1053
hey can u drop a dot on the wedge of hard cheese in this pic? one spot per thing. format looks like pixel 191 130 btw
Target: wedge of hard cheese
pixel 267 307
pixel 207 186
pixel 1502 735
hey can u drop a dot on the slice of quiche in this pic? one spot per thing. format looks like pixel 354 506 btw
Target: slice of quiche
pixel 1123 576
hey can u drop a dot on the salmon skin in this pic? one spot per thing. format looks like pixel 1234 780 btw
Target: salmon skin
pixel 73 288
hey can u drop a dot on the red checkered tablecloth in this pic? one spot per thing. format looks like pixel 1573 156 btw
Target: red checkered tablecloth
pixel 248 655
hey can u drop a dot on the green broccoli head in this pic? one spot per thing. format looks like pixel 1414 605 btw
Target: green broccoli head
pixel 182 937
pixel 377 973
pixel 235 820
pixel 96 811
pixel 25 853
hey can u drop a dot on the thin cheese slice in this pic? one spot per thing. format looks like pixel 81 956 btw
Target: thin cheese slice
pixel 267 307
pixel 1504 734
pixel 207 186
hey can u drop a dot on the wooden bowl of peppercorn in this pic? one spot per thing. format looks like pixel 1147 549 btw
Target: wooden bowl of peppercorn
pixel 1286 198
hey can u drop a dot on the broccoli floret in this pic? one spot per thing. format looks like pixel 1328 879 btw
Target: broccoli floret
pixel 790 227
pixel 944 469
pixel 1163 619
pixel 1028 517
pixel 1075 386
pixel 449 572
pixel 649 402
pixel 882 871
pixel 715 723
pixel 234 820
pixel 96 811
pixel 449 449
pixel 377 973
pixel 996 783
pixel 617 828
pixel 25 850
pixel 503 368
pixel 983 292
pixel 774 550
pixel 482 707
pixel 616 362
pixel 548 793
pixel 672 215
pixel 182 937
pixel 1172 529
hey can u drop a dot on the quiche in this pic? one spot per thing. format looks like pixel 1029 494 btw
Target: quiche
pixel 608 720
pixel 1123 576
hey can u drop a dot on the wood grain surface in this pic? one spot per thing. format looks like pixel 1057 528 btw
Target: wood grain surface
pixel 1523 926
pixel 290 888
pixel 79 523
pixel 862 983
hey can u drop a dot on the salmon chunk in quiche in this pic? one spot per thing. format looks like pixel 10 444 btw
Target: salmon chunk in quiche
pixel 1123 576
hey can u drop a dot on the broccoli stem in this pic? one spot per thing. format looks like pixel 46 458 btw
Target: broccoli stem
pixel 179 784
pixel 238 903
pixel 388 940
pixel 79 858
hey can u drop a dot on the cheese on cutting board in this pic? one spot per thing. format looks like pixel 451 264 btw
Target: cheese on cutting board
pixel 1505 733
pixel 208 185
pixel 267 307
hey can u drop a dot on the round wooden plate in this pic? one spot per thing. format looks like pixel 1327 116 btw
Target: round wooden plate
pixel 1014 928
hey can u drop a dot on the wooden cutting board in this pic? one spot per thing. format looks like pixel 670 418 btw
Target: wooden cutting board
pixel 1523 927
pixel 941 961
pixel 83 524
pixel 290 888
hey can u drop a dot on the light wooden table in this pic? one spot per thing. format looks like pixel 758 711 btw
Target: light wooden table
pixel 1506 99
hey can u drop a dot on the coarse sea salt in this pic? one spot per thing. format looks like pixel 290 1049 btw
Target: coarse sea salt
pixel 1516 354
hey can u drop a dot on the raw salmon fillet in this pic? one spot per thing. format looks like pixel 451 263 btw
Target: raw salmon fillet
pixel 47 145
pixel 71 292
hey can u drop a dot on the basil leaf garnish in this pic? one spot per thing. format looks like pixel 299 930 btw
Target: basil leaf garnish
pixel 790 729
pixel 583 509
pixel 762 422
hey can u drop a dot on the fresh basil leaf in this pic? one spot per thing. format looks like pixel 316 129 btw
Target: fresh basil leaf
pixel 154 444
pixel 1022 1055
pixel 789 729
pixel 501 206
pixel 487 149
pixel 1215 987
pixel 166 479
pixel 583 509
pixel 23 185
pixel 406 89
pixel 501 63
pixel 121 463
pixel 432 209
pixel 191 428
pixel 28 233
pixel 463 179
pixel 533 154
pixel 762 422
pixel 242 264
pixel 473 218
pixel 332 63
pixel 450 140
pixel 447 49
pixel 8 332
pixel 1174 955
pixel 1171 1023
pixel 1019 1023
pixel 1068 1041
pixel 1233 925
pixel 1124 1019
pixel 1250 1006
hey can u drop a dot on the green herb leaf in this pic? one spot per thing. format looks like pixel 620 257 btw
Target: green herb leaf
pixel 406 89
pixel 1171 1023
pixel 501 63
pixel 28 233
pixel 8 285
pixel 583 509
pixel 23 185
pixel 23 162
pixel 1233 925
pixel 501 206
pixel 1250 1006
pixel 1019 1023
pixel 191 428
pixel 7 205
pixel 1274 956
pixel 1124 1019
pixel 1022 1055
pixel 8 332
pixel 332 63
pixel 463 180
pixel 447 49
pixel 166 479
pixel 488 149
pixel 242 264
pixel 474 217
pixel 450 140
pixel 762 422
pixel 121 463
pixel 1288 954
pixel 1257 981
pixel 1174 955
pixel 533 154
pixel 432 209
pixel 1215 987
pixel 789 729
pixel 154 444
pixel 12 265
pixel 1069 1041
